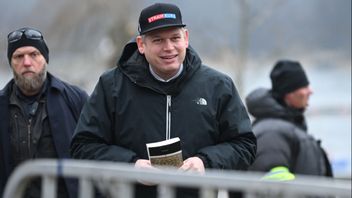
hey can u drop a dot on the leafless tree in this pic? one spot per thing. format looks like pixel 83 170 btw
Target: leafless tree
pixel 249 20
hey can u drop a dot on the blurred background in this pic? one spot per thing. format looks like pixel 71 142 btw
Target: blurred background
pixel 242 38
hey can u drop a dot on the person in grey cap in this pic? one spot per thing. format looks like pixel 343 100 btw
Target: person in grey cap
pixel 285 148
pixel 38 113
pixel 160 90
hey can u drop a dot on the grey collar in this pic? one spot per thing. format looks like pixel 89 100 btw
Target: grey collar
pixel 168 80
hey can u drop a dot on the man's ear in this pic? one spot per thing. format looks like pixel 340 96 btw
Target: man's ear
pixel 288 98
pixel 186 37
pixel 139 41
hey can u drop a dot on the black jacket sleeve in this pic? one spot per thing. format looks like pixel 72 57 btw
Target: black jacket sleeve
pixel 94 132
pixel 237 143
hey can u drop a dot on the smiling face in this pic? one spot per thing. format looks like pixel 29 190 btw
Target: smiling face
pixel 299 98
pixel 164 49
pixel 29 69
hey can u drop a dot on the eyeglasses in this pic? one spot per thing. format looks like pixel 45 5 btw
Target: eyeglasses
pixel 29 33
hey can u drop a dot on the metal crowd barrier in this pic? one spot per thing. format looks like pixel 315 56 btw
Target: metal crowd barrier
pixel 116 179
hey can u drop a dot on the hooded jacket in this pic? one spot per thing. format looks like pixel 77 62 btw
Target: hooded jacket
pixel 64 104
pixel 283 139
pixel 129 108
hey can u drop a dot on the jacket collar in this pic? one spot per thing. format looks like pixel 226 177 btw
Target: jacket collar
pixel 261 104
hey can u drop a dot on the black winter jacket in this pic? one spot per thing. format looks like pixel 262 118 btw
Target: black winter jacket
pixel 282 138
pixel 64 104
pixel 129 108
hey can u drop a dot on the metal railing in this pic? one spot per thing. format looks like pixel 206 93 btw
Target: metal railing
pixel 116 180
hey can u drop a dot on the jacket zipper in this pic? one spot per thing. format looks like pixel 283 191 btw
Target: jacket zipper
pixel 29 134
pixel 168 117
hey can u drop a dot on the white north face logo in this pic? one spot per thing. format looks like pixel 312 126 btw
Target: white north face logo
pixel 200 101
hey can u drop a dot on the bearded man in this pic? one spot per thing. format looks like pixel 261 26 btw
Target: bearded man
pixel 38 111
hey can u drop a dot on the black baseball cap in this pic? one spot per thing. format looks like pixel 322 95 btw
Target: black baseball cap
pixel 159 15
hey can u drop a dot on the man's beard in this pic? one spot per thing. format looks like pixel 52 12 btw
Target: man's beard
pixel 31 85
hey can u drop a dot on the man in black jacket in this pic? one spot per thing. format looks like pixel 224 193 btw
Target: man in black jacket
pixel 161 90
pixel 285 148
pixel 38 113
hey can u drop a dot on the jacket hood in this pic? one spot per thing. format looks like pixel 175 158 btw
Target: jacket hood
pixel 261 104
pixel 129 49
pixel 135 66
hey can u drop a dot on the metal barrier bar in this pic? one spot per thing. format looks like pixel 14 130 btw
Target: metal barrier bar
pixel 86 188
pixel 208 193
pixel 125 190
pixel 117 174
pixel 166 191
pixel 49 185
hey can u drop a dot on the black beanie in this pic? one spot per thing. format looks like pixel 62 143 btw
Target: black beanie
pixel 287 76
pixel 24 41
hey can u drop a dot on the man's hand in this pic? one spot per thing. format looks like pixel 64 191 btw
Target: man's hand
pixel 144 164
pixel 193 164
